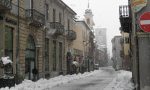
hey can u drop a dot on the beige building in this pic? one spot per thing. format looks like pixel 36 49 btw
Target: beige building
pixel 60 34
pixel 22 35
pixel 82 45
pixel 38 35
pixel 81 42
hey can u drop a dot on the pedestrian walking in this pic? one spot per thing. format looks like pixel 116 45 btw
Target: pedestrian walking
pixel 35 74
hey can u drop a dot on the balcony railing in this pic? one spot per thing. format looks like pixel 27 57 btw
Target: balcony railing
pixel 36 18
pixel 5 5
pixel 58 27
pixel 71 35
pixel 125 18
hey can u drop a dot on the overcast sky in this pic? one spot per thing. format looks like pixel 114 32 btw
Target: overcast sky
pixel 106 14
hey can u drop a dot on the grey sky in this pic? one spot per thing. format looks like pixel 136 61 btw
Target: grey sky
pixel 106 14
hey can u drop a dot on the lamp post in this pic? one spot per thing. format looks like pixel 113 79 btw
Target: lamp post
pixel 86 55
pixel 38 46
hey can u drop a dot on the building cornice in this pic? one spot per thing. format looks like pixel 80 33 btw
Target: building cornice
pixel 84 24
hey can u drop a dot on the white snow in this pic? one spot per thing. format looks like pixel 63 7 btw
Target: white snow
pixel 120 82
pixel 6 60
pixel 75 63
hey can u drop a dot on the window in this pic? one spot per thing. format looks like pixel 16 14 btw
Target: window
pixel 9 42
pixel 47 10
pixel 29 4
pixel 46 54
pixel 126 40
pixel 68 24
pixel 60 17
pixel 88 21
pixel 54 55
pixel 54 14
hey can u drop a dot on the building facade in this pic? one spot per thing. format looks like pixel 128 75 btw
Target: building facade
pixel 22 35
pixel 117 52
pixel 101 38
pixel 81 44
pixel 139 41
pixel 126 51
pixel 140 47
pixel 101 41
pixel 60 34
pixel 43 37
pixel 36 34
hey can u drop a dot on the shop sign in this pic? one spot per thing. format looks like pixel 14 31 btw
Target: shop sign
pixel 137 5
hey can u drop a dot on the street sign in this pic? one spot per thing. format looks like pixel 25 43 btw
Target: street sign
pixel 144 22
pixel 137 5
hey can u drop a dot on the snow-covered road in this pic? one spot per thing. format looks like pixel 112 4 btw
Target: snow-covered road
pixel 97 81
pixel 105 78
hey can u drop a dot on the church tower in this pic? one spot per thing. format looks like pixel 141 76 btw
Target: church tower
pixel 89 17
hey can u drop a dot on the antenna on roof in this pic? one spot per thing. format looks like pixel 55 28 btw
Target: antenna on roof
pixel 88 4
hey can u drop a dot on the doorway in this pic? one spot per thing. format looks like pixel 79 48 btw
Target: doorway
pixel 30 53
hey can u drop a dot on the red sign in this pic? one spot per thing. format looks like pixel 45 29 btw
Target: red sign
pixel 145 22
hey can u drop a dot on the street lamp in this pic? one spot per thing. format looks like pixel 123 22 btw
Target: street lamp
pixel 38 46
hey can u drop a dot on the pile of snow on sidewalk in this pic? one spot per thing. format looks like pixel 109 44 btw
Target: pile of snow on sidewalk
pixel 44 84
pixel 121 82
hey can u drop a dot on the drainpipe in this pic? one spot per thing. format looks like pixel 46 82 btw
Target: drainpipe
pixel 65 70
pixel 17 45
pixel 137 54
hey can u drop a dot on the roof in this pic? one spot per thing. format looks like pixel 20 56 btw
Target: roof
pixel 84 23
pixel 69 9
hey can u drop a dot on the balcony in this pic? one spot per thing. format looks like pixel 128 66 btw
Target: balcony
pixel 71 35
pixel 58 27
pixel 5 5
pixel 35 18
pixel 125 18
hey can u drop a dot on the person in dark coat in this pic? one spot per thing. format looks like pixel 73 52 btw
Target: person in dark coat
pixel 35 73
pixel 69 60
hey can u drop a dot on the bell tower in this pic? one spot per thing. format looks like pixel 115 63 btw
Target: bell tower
pixel 89 16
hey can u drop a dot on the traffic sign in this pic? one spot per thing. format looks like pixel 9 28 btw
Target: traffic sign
pixel 144 22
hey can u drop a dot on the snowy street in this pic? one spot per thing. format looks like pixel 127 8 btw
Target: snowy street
pixel 105 78
pixel 95 82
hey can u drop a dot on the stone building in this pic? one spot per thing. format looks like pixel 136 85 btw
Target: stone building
pixel 59 36
pixel 22 35
pixel 36 34
pixel 139 43
pixel 101 41
pixel 101 38
pixel 117 52
pixel 81 45
pixel 138 39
